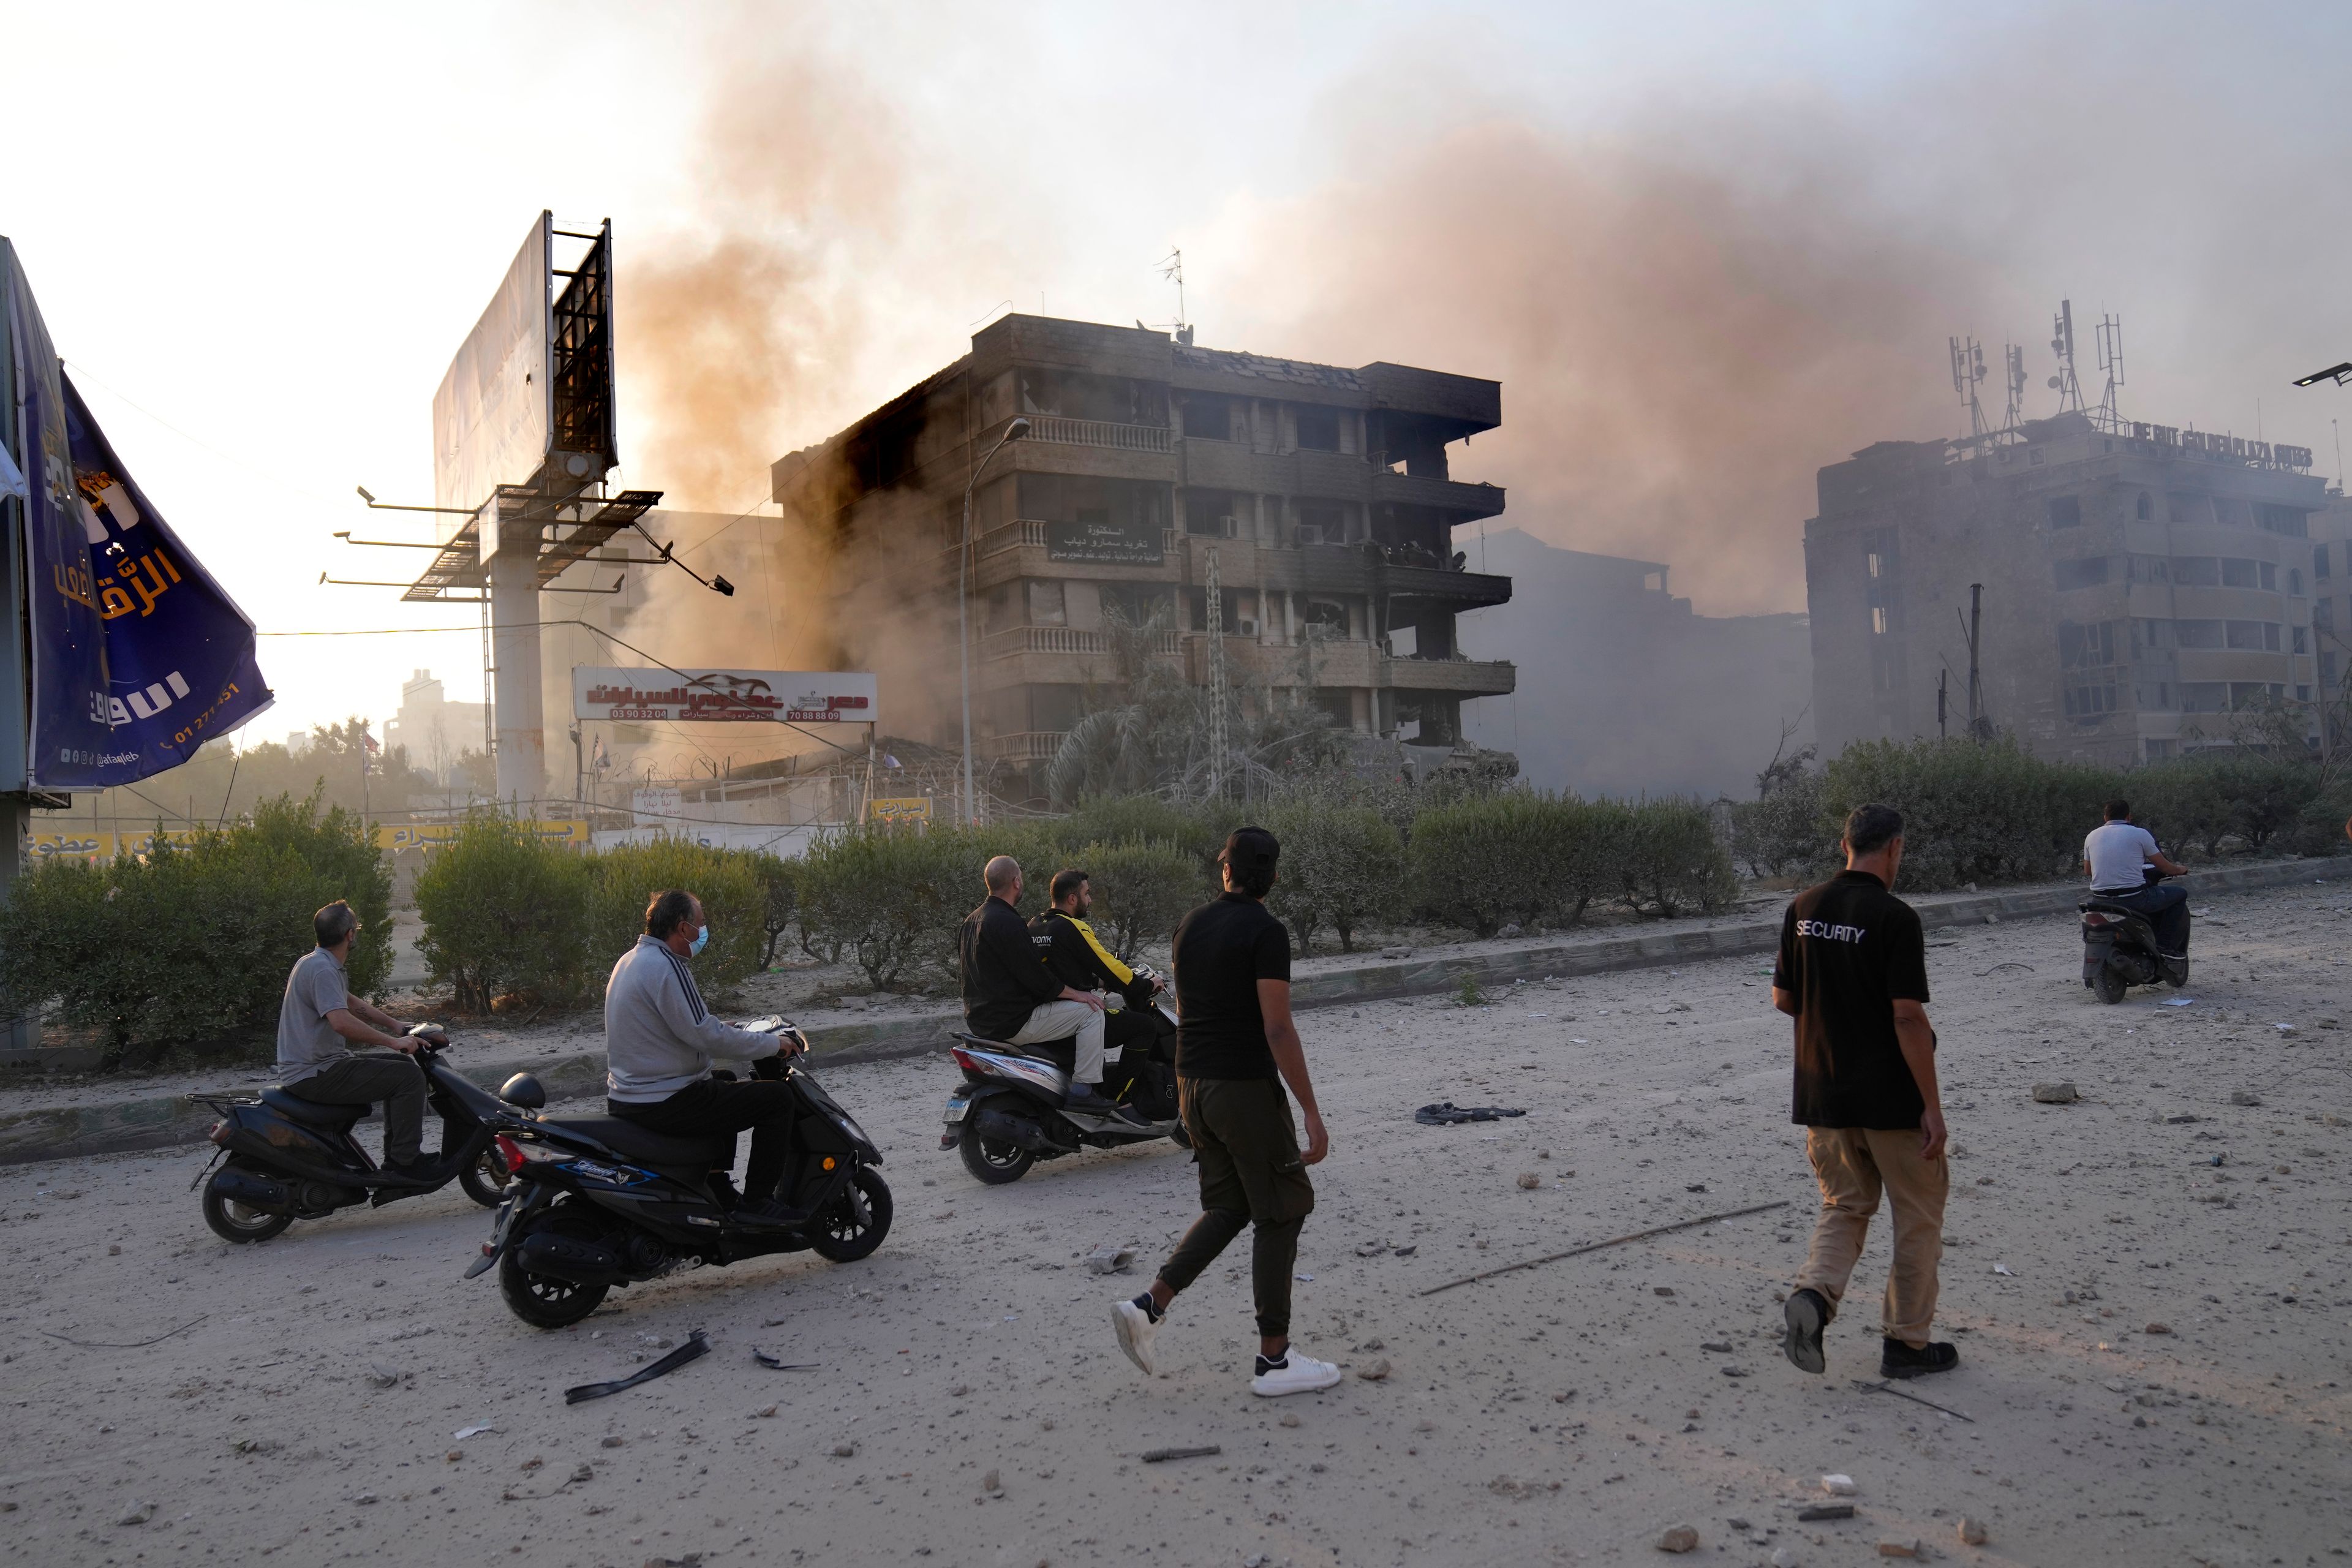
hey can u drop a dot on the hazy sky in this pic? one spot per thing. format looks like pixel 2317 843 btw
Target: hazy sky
pixel 1706 247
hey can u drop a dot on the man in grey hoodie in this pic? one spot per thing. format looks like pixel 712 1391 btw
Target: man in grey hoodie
pixel 659 1039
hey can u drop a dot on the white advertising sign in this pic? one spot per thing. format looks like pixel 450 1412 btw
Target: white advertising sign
pixel 494 414
pixel 724 696
pixel 656 807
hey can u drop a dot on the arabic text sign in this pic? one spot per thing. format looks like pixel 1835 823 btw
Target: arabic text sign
pixel 902 808
pixel 724 696
pixel 431 835
pixel 1105 543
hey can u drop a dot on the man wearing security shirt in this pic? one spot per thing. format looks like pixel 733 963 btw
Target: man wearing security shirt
pixel 1852 973
pixel 659 1039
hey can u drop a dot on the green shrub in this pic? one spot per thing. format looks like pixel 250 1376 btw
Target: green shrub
pixel 1972 813
pixel 505 912
pixel 1140 891
pixel 1781 833
pixel 1134 819
pixel 190 943
pixel 1341 867
pixel 622 881
pixel 1672 859
pixel 2181 802
pixel 2321 825
pixel 1485 862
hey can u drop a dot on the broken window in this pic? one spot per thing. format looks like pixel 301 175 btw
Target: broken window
pixel 2319 562
pixel 2196 571
pixel 2087 573
pixel 2084 644
pixel 2302 643
pixel 1208 417
pixel 2286 519
pixel 1047 604
pixel 2238 573
pixel 1319 428
pixel 2204 697
pixel 2198 634
pixel 1322 521
pixel 2144 508
pixel 2065 512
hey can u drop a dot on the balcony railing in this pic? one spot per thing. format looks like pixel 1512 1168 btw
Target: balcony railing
pixel 1099 433
pixel 1023 746
pixel 1015 641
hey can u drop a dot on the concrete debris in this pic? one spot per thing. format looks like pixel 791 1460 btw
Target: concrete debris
pixel 2056 1094
pixel 1824 1511
pixel 1681 1538
pixel 991 1482
pixel 1838 1486
pixel 1785 1557
pixel 2157 1329
pixel 1719 1347
pixel 2244 1097
pixel 1892 1546
pixel 1973 1531
pixel 383 1377
pixel 1109 1259
pixel 844 1450
pixel 137 1513
pixel 1375 1371
pixel 1529 1181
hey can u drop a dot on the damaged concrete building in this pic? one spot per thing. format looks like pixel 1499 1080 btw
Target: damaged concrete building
pixel 1323 495
pixel 2144 587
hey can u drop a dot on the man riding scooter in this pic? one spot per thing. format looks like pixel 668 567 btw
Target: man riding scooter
pixel 1076 957
pixel 1008 994
pixel 2117 856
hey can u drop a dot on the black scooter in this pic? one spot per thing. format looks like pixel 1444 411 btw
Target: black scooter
pixel 2119 948
pixel 1012 1109
pixel 599 1202
pixel 283 1158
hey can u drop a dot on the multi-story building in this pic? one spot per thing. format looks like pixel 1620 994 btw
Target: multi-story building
pixel 435 730
pixel 2143 586
pixel 1322 495
pixel 2331 607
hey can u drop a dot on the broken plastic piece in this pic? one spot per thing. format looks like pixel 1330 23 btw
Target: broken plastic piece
pixel 697 1344
pixel 1449 1113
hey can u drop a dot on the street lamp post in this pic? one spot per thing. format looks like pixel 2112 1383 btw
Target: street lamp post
pixel 1012 432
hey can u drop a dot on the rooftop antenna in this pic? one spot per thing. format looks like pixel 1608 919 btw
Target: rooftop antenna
pixel 2111 365
pixel 1172 267
pixel 2062 344
pixel 2014 355
pixel 1967 374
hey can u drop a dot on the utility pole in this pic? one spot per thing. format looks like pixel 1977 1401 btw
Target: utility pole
pixel 1216 682
pixel 1977 723
pixel 1943 695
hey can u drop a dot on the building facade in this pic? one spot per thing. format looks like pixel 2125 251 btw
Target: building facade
pixel 2144 587
pixel 1322 496
pixel 435 730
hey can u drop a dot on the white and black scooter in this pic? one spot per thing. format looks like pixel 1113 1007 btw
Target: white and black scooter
pixel 1011 1110
pixel 2119 948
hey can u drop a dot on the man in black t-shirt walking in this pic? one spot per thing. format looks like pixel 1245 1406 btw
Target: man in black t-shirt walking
pixel 1234 1035
pixel 1852 972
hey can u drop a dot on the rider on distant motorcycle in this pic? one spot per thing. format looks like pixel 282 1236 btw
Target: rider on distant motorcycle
pixel 2117 856
pixel 1076 957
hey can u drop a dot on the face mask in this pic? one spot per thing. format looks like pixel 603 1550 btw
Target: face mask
pixel 702 940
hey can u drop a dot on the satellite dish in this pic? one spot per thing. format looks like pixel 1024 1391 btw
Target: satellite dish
pixel 2053 383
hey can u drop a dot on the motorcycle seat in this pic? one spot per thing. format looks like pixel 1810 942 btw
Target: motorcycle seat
pixel 631 1142
pixel 311 1113
pixel 1062 1053
pixel 2107 906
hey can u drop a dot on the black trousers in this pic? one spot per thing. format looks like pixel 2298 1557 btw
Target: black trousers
pixel 364 1081
pixel 715 1106
pixel 1251 1175
pixel 2166 905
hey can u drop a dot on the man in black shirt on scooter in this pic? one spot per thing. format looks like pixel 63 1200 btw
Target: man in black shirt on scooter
pixel 1009 995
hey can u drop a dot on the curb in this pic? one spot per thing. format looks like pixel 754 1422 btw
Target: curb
pixel 167 1121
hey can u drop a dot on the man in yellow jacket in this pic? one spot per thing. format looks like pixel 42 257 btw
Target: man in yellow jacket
pixel 1077 957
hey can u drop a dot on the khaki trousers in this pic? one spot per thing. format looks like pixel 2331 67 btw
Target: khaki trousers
pixel 1853 1165
pixel 1059 1021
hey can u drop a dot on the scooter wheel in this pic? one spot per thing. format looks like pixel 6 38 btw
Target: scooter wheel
pixel 992 1162
pixel 857 1221
pixel 487 1179
pixel 540 1300
pixel 232 1221
pixel 2109 986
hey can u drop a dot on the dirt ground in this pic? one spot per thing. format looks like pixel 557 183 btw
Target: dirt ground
pixel 968 1405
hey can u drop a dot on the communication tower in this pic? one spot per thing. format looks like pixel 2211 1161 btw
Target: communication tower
pixel 2013 354
pixel 1967 374
pixel 2110 340
pixel 2062 344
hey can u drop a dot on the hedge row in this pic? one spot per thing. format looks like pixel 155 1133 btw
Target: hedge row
pixel 190 943
pixel 1994 812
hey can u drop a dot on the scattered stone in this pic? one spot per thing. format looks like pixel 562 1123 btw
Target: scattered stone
pixel 1824 1511
pixel 959 1391
pixel 137 1513
pixel 765 1414
pixel 2056 1094
pixel 583 1471
pixel 1109 1259
pixel 1891 1547
pixel 454 1455
pixel 613 1440
pixel 1529 1181
pixel 2157 1329
pixel 2244 1097
pixel 1375 1371
pixel 1543 1153
pixel 114 1249
pixel 1290 1418
pixel 1409 1251
pixel 1681 1538
pixel 1785 1557
pixel 1695 1187
pixel 1662 1289
pixel 364 1498
pixel 382 1375
pixel 1838 1486
pixel 1396 952
pixel 1371 1249
pixel 1991 919
pixel 1719 1347
pixel 991 1482
pixel 1973 1531
pixel 844 1450
pixel 1736 1372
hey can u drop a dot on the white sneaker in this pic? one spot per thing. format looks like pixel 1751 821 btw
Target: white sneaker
pixel 1136 1334
pixel 1299 1373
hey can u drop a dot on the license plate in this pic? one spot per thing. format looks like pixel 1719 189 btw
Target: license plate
pixel 958 1108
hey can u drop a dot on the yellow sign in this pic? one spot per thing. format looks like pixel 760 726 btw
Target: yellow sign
pixel 903 808
pixel 425 835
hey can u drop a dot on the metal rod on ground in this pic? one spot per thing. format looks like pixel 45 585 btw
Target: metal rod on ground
pixel 1882 1387
pixel 1613 1241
